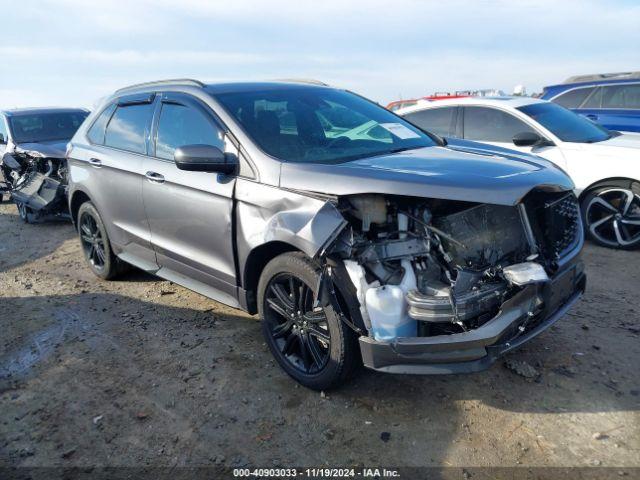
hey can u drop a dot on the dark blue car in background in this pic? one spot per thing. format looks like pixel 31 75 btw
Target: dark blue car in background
pixel 610 99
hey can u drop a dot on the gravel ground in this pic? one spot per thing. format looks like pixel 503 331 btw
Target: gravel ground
pixel 142 372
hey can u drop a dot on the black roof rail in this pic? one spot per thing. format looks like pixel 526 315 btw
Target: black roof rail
pixel 176 81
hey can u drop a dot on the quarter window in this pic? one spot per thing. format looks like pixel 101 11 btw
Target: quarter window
pixel 621 96
pixel 181 125
pixel 437 120
pixel 129 127
pixel 491 125
pixel 96 132
pixel 573 98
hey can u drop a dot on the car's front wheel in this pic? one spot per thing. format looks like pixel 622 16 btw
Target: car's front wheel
pixel 611 216
pixel 95 243
pixel 311 344
pixel 26 214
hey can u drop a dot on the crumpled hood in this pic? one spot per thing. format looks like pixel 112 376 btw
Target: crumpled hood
pixel 51 149
pixel 464 171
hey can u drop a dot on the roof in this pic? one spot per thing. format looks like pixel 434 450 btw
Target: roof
pixel 219 88
pixel 14 112
pixel 216 88
pixel 513 102
pixel 603 77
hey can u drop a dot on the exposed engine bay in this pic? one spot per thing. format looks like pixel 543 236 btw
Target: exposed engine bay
pixel 36 182
pixel 425 267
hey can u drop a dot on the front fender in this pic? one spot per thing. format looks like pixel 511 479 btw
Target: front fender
pixel 266 214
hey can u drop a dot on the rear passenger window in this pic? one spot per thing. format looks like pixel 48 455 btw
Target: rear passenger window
pixel 181 125
pixel 96 132
pixel 129 127
pixel 491 125
pixel 621 96
pixel 594 100
pixel 436 121
pixel 573 98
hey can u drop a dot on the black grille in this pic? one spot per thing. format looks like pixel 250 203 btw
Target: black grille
pixel 555 221
pixel 561 225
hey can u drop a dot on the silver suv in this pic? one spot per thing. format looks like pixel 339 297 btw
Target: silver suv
pixel 356 236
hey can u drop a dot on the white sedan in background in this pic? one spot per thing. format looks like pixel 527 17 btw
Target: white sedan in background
pixel 604 165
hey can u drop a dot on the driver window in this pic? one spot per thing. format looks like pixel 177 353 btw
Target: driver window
pixel 181 125
pixel 491 125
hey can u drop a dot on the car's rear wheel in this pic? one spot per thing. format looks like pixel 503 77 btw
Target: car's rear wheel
pixel 611 216
pixel 311 344
pixel 95 243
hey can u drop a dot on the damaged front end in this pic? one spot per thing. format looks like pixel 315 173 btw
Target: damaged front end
pixel 439 286
pixel 37 182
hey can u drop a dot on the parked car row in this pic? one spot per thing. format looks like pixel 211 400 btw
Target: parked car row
pixel 357 236
pixel 604 164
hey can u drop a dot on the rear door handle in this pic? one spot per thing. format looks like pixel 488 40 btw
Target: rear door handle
pixel 592 116
pixel 95 162
pixel 154 177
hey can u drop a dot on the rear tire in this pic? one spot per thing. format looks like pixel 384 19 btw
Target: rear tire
pixel 95 244
pixel 313 346
pixel 611 215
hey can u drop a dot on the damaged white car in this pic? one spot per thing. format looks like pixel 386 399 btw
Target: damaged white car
pixel 356 236
pixel 32 159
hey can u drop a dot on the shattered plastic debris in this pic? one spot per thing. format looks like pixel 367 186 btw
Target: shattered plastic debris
pixel 522 368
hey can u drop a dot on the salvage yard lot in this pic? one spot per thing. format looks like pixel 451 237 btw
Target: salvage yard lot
pixel 143 372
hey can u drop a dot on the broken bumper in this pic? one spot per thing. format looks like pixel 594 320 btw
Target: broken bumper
pixel 477 349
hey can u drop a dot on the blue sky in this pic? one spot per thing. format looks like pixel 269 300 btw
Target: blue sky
pixel 71 52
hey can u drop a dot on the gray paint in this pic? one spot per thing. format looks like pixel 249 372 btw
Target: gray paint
pixel 183 229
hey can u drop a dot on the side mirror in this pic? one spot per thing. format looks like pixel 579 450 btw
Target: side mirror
pixel 531 139
pixel 205 158
pixel 526 139
pixel 3 141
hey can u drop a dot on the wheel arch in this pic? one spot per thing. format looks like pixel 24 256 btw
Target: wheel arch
pixel 77 199
pixel 257 259
pixel 617 181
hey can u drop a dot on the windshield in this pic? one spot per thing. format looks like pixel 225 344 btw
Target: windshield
pixel 318 125
pixel 42 127
pixel 566 125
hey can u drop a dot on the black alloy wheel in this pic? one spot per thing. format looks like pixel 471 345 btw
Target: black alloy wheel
pixel 311 344
pixel 92 241
pixel 300 332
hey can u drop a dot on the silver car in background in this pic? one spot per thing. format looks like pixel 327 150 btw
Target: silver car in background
pixel 356 236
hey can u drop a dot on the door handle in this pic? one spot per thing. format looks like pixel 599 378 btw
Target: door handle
pixel 592 116
pixel 154 177
pixel 95 162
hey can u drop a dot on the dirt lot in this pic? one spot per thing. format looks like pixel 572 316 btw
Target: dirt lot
pixel 142 372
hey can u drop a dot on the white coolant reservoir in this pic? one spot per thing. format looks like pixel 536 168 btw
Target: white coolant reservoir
pixel 387 308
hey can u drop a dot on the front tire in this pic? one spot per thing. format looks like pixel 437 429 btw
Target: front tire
pixel 26 214
pixel 312 345
pixel 611 216
pixel 95 243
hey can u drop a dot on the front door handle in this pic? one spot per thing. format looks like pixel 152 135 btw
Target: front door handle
pixel 154 177
pixel 592 116
pixel 95 162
